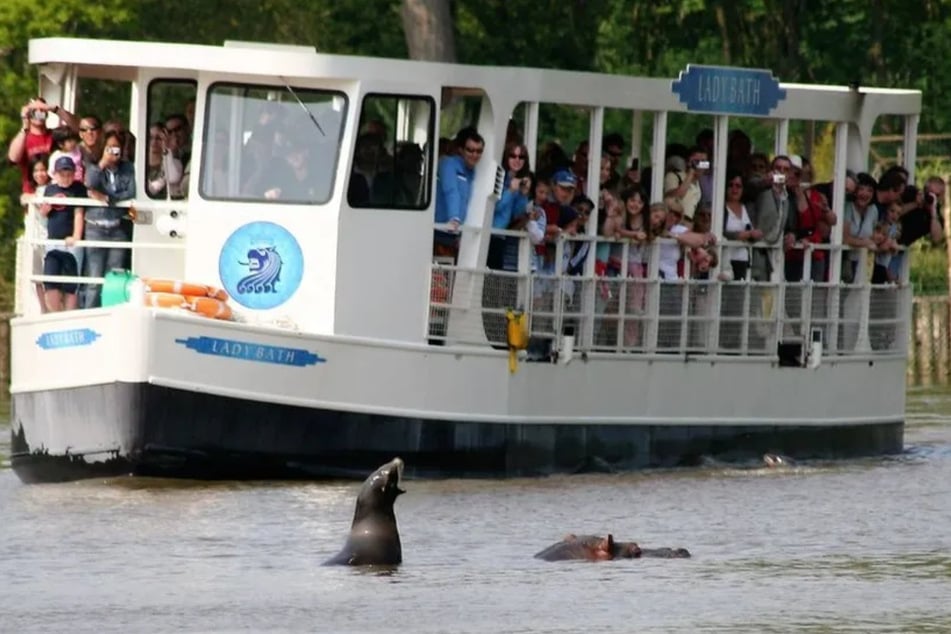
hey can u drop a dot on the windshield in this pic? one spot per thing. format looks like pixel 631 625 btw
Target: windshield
pixel 271 143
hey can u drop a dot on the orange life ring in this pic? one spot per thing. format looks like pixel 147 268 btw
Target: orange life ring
pixel 205 306
pixel 209 307
pixel 165 300
pixel 188 289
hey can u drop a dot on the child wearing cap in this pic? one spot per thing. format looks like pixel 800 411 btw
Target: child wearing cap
pixel 64 222
pixel 66 143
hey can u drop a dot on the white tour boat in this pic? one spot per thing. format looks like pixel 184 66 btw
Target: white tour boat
pixel 350 343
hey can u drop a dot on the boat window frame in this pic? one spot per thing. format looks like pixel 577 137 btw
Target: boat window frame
pixel 150 112
pixel 292 92
pixel 428 158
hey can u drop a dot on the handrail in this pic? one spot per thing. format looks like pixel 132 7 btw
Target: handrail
pixel 854 317
pixel 30 242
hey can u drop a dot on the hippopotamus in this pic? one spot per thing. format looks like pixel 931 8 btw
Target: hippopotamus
pixel 590 548
pixel 666 553
pixel 597 548
pixel 374 538
pixel 774 460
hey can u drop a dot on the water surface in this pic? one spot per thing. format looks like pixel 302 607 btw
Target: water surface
pixel 858 546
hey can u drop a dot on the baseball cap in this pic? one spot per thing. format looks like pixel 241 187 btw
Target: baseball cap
pixel 564 178
pixel 64 164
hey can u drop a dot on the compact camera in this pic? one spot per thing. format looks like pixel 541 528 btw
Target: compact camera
pixel 779 179
pixel 701 165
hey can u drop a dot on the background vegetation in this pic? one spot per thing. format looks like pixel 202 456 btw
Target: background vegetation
pixel 891 43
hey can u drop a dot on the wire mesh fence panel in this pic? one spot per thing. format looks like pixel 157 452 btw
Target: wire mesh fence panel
pixel 885 319
pixel 929 344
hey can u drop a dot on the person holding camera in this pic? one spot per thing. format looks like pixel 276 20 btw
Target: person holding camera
pixel 771 218
pixel 510 209
pixel 163 171
pixel 34 136
pixel 111 181
pixel 684 184
pixel 924 220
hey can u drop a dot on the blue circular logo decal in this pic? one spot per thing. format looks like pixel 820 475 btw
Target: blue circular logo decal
pixel 261 265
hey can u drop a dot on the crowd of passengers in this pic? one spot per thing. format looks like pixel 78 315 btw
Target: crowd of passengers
pixel 84 157
pixel 768 202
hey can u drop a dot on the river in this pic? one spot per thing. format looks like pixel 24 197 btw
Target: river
pixel 857 546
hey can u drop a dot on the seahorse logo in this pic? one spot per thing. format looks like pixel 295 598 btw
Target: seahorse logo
pixel 265 266
pixel 261 265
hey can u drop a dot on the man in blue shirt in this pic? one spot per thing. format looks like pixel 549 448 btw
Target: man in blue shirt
pixel 454 187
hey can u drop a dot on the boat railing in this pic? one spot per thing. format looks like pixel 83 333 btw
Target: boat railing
pixel 33 243
pixel 631 309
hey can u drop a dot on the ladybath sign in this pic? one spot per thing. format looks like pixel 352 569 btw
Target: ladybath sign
pixel 726 90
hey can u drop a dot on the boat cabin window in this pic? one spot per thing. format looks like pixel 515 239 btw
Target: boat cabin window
pixel 393 153
pixel 274 143
pixel 171 117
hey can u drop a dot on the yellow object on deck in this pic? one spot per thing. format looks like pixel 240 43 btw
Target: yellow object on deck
pixel 517 335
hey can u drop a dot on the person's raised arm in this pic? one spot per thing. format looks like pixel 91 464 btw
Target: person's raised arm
pixel 18 143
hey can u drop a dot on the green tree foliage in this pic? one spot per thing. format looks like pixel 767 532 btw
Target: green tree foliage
pixel 21 20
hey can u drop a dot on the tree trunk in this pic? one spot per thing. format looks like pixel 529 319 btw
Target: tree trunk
pixel 428 28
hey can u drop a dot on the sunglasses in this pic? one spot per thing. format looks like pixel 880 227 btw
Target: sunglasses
pixel 473 150
pixel 92 128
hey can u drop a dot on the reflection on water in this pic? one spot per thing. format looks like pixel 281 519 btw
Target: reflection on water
pixel 821 547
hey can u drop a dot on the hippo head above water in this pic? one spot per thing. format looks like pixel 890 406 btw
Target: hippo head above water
pixel 589 548
pixel 597 548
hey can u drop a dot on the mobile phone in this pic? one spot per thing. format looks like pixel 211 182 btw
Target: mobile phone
pixel 779 179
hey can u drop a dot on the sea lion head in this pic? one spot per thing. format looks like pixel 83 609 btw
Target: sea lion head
pixel 777 460
pixel 382 486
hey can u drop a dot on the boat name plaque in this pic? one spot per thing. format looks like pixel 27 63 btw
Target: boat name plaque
pixel 67 338
pixel 249 351
pixel 726 90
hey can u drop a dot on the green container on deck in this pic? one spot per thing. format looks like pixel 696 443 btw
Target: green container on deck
pixel 115 288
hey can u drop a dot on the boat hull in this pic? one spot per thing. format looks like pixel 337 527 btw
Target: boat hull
pixel 177 433
pixel 138 391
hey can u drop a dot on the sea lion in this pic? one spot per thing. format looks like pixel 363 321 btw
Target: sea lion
pixel 374 538
pixel 775 460
pixel 589 548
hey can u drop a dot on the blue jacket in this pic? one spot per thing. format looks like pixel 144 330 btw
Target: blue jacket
pixel 511 205
pixel 117 184
pixel 454 187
